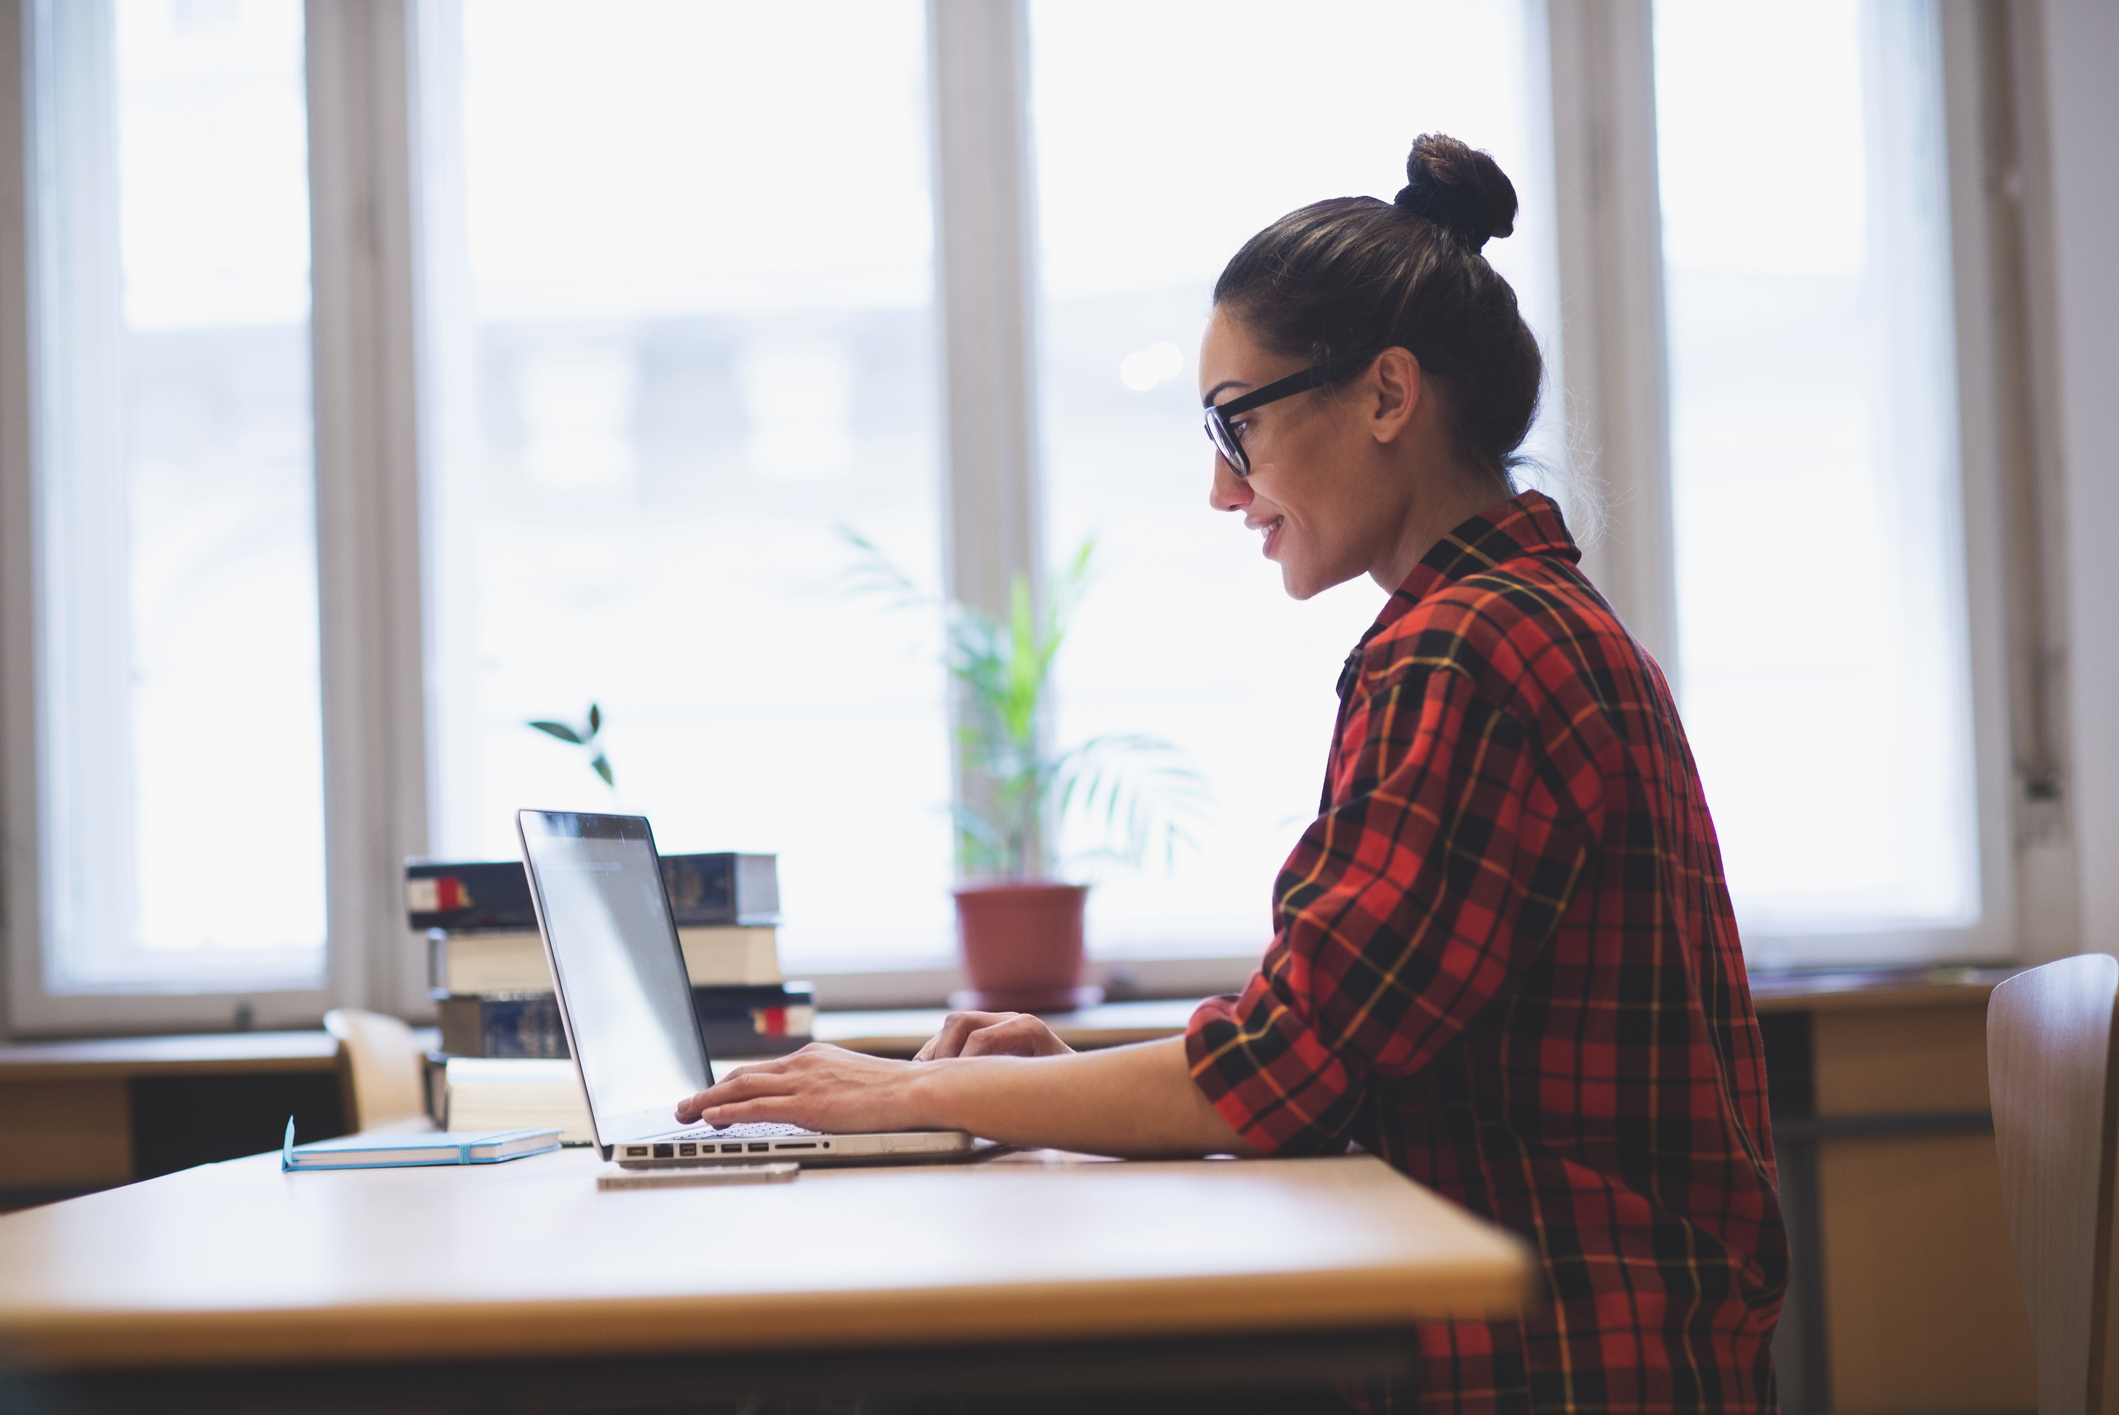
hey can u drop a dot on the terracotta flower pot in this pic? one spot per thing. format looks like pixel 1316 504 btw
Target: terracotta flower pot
pixel 1022 942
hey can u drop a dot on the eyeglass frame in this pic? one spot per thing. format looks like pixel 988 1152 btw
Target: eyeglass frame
pixel 1226 443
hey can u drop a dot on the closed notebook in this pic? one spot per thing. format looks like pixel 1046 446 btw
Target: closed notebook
pixel 397 1151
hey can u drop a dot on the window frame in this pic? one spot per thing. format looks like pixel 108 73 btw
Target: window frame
pixel 361 330
pixel 1616 382
pixel 373 527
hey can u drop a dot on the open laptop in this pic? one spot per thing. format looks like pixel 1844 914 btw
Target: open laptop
pixel 626 1003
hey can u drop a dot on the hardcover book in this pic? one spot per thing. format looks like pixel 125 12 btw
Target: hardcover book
pixel 514 961
pixel 737 1022
pixel 723 888
pixel 397 1151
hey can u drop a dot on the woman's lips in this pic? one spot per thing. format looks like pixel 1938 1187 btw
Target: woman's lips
pixel 1272 531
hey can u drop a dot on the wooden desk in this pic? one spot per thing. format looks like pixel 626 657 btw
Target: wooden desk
pixel 187 1282
pixel 1903 1295
pixel 80 1115
pixel 83 1115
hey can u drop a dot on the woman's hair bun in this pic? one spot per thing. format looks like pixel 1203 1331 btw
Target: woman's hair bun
pixel 1459 188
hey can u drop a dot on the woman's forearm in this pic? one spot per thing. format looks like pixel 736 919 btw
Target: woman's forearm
pixel 1136 1100
pixel 1133 1101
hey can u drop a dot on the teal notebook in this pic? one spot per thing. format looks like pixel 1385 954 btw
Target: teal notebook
pixel 398 1151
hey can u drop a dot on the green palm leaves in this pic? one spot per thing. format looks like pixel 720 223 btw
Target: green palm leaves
pixel 1137 794
pixel 584 737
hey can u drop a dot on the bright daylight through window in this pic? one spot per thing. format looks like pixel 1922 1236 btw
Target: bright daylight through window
pixel 1156 160
pixel 1815 470
pixel 678 284
pixel 677 336
pixel 178 634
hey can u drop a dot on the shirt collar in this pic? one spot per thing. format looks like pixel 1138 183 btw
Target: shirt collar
pixel 1529 524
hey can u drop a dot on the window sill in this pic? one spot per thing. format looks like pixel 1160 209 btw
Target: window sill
pixel 927 983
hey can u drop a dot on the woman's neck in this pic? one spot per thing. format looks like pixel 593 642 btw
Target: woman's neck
pixel 1440 503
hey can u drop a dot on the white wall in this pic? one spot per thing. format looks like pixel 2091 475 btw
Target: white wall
pixel 2080 58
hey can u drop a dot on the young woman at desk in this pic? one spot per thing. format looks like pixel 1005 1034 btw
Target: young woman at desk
pixel 1504 958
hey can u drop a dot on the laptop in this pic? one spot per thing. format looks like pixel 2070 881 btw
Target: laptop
pixel 626 1004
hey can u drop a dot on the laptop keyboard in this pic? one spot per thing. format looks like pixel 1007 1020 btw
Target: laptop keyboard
pixel 738 1132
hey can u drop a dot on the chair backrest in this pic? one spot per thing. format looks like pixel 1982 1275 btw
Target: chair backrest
pixel 2050 1070
pixel 382 1060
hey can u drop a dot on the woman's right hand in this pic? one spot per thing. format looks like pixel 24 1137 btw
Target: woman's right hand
pixel 992 1034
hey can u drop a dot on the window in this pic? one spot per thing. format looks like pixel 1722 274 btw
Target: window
pixel 1156 160
pixel 1815 468
pixel 181 754
pixel 679 284
pixel 638 312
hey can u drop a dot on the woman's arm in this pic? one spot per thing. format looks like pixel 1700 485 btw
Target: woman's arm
pixel 1132 1101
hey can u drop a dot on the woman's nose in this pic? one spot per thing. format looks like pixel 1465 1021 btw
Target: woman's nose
pixel 1229 491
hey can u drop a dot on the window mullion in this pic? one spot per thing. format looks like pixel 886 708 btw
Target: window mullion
pixel 978 79
pixel 21 926
pixel 2028 862
pixel 1611 294
pixel 367 472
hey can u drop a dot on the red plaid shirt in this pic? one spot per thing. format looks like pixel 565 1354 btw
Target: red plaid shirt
pixel 1505 962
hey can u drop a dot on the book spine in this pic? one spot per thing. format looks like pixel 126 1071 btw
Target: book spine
pixel 491 894
pixel 723 888
pixel 736 1041
pixel 721 1001
pixel 737 1021
pixel 513 1025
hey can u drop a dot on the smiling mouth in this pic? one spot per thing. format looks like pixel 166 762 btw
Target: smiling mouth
pixel 1270 530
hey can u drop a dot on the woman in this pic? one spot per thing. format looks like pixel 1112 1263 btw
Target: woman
pixel 1504 956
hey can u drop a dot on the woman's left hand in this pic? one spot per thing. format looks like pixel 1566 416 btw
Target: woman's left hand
pixel 822 1087
pixel 992 1034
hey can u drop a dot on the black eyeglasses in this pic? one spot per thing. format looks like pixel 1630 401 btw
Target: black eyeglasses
pixel 1316 376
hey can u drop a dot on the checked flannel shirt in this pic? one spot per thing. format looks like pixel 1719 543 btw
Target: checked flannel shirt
pixel 1505 962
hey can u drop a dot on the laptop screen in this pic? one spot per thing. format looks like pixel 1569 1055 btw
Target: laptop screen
pixel 622 984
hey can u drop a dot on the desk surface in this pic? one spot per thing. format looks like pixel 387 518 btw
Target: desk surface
pixel 237 1263
pixel 211 1053
pixel 1874 989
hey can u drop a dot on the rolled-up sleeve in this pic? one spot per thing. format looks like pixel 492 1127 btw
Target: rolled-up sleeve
pixel 1442 867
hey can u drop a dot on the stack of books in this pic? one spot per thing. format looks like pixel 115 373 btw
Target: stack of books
pixel 493 988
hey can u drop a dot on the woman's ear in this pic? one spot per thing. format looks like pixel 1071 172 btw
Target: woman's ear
pixel 1398 389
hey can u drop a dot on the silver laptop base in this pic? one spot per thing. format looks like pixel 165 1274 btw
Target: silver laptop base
pixel 803 1146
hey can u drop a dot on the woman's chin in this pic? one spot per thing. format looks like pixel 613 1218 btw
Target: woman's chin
pixel 1299 583
pixel 1303 579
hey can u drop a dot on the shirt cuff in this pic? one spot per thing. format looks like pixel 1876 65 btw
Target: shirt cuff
pixel 1267 1073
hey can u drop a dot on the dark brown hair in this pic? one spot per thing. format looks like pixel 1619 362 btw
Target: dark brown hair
pixel 1356 274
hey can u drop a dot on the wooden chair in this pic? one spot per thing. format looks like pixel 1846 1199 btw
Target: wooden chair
pixel 2050 1067
pixel 382 1067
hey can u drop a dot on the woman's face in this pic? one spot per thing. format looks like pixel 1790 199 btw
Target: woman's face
pixel 1320 491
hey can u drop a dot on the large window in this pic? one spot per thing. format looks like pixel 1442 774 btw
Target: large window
pixel 678 289
pixel 626 313
pixel 1156 159
pixel 182 813
pixel 1815 466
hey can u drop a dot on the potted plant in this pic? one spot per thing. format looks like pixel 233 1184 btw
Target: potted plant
pixel 1019 926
